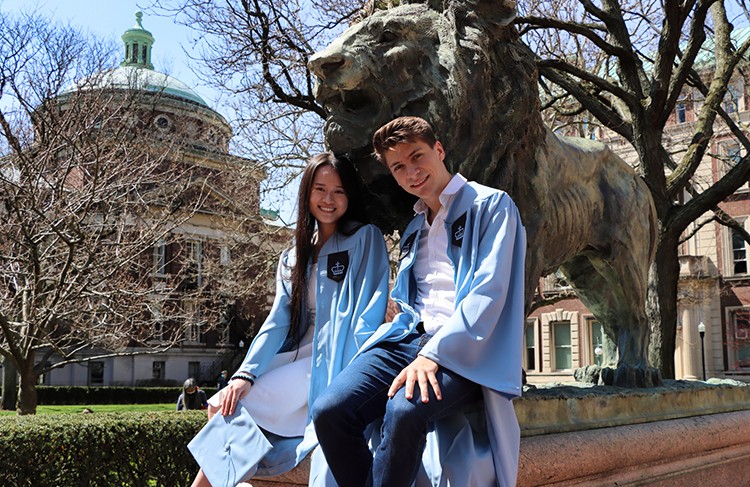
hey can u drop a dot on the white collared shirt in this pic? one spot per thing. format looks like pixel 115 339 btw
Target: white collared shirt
pixel 433 270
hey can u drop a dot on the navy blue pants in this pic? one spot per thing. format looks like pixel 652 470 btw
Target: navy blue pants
pixel 359 395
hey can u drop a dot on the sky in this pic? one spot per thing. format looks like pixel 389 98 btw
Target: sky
pixel 108 19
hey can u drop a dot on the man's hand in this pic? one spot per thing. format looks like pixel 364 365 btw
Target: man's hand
pixel 422 371
pixel 231 395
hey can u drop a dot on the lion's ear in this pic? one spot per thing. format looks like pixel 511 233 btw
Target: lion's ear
pixel 499 13
pixel 494 13
pixel 438 5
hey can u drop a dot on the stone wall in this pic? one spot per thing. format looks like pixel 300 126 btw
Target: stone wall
pixel 685 434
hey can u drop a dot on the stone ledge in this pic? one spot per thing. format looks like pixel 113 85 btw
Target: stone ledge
pixel 695 451
pixel 680 435
pixel 298 476
pixel 570 408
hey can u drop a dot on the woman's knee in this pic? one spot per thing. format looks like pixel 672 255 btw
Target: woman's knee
pixel 212 410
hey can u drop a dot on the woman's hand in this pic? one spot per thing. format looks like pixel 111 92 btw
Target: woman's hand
pixel 231 395
pixel 391 310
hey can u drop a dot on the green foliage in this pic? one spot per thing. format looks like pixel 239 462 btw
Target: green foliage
pixel 106 395
pixel 113 449
pixel 97 408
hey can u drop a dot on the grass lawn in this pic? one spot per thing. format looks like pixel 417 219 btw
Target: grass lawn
pixel 100 408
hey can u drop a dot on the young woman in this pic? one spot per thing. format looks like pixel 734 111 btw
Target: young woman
pixel 331 294
pixel 192 396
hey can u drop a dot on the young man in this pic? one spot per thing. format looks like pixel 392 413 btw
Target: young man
pixel 457 340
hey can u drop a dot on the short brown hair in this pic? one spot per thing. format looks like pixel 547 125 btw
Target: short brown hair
pixel 400 130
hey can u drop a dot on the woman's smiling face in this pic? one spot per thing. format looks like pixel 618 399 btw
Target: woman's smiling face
pixel 328 200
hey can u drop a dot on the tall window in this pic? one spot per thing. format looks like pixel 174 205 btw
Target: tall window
pixel 731 99
pixel 195 256
pixel 732 157
pixel 160 257
pixel 730 154
pixel 563 345
pixel 740 319
pixel 588 130
pixel 157 370
pixel 734 154
pixel 194 369
pixel 157 316
pixel 739 254
pixel 225 257
pixel 223 330
pixel 529 357
pixel 192 319
pixel 96 373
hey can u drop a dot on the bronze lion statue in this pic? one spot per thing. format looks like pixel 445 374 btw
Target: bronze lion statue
pixel 463 68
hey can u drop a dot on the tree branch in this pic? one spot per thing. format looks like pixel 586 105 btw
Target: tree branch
pixel 604 114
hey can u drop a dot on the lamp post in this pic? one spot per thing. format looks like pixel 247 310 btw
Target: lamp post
pixel 702 333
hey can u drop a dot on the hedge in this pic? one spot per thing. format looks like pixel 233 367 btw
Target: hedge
pixel 113 449
pixel 57 395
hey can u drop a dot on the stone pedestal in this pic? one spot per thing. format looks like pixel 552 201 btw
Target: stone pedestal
pixel 696 451
pixel 681 435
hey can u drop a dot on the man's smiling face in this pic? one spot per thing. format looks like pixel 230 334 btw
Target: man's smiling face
pixel 419 169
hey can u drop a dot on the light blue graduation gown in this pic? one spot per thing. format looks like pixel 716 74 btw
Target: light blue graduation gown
pixel 482 341
pixel 347 312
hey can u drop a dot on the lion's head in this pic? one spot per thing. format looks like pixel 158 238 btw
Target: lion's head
pixel 461 67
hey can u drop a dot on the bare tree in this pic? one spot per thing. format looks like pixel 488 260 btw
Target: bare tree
pixel 88 191
pixel 625 65
pixel 256 52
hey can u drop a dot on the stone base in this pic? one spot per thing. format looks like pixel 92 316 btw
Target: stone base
pixel 298 476
pixel 681 435
pixel 696 451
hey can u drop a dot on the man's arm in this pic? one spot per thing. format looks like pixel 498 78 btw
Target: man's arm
pixel 479 340
pixel 482 340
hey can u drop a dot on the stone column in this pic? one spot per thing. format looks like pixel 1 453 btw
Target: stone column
pixel 679 347
pixel 691 343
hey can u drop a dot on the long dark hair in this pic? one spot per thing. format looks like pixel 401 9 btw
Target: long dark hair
pixel 352 219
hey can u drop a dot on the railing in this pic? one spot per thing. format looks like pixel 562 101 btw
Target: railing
pixel 209 373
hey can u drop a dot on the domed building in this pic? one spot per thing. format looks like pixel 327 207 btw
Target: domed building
pixel 172 126
pixel 169 107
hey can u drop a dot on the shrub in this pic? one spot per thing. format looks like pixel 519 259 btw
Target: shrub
pixel 113 449
pixel 57 395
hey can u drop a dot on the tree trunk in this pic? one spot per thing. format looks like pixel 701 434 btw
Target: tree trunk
pixel 10 385
pixel 661 304
pixel 27 398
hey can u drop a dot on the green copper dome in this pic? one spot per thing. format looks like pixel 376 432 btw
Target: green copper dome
pixel 138 42
pixel 136 70
pixel 138 78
